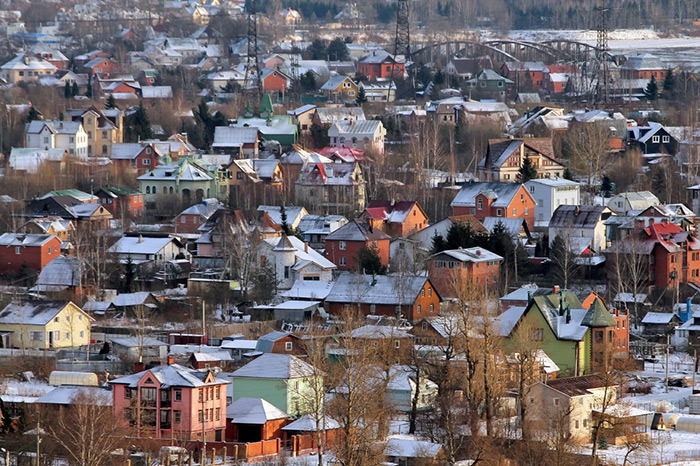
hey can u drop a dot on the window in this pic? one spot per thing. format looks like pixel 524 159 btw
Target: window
pixel 146 161
pixel 527 210
pixel 499 212
pixel 288 346
pixel 655 139
pixel 56 319
pixel 149 394
pixel 200 416
pixel 218 414
pixel 178 394
pixel 177 416
pixel 218 392
pixel 432 308
pixel 342 245
pixel 430 292
pixel 201 395
pixel 556 401
pixel 576 424
pixel 56 335
pixel 36 336
pixel 72 139
pixel 419 309
pixel 18 250
pixel 127 393
pixel 666 139
pixel 286 271
pixel 537 334
pixel 515 211
pixel 397 344
pixel 49 249
pixel 480 204
pixel 342 261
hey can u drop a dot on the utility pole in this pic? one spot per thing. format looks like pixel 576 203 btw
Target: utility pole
pixel 252 58
pixel 668 346
pixel 602 56
pixel 38 442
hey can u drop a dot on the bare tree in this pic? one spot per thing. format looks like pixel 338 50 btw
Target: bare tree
pixel 630 268
pixel 587 147
pixel 564 265
pixel 87 431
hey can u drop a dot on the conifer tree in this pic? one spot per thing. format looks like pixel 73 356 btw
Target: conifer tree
pixel 652 89
pixel 527 171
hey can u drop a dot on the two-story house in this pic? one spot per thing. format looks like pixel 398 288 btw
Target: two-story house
pixel 44 325
pixel 505 157
pixel 344 244
pixel 33 251
pixel 652 138
pixel 494 199
pixel 293 259
pixel 488 83
pixel 340 89
pixel 333 188
pixel 550 193
pixel 135 156
pixel 581 227
pixel 27 67
pixel 185 180
pixel 172 401
pixel 381 65
pixel 401 218
pixel 367 135
pixel 476 265
pixel 104 127
pixel 68 135
pixel 122 201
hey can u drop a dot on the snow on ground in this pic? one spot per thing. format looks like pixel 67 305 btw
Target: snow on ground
pixel 16 388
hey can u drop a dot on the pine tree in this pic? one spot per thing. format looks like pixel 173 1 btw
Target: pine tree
pixel 66 90
pixel 669 83
pixel 32 115
pixel 568 175
pixel 606 187
pixel 139 126
pixel 527 171
pixel 361 96
pixel 369 261
pixel 88 90
pixel 111 102
pixel 652 89
pixel 74 89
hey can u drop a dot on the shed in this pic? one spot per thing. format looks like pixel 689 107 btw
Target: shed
pixel 85 379
pixel 253 420
pixel 688 423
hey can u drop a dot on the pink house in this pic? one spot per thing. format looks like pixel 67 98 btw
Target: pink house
pixel 172 401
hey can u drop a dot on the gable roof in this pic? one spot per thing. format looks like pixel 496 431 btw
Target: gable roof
pixel 31 312
pixel 356 230
pixel 140 245
pixel 503 193
pixel 275 366
pixel 379 289
pixel 571 216
pixel 254 411
pixel 577 386
pixel 392 212
pixel 172 375
pixel 24 239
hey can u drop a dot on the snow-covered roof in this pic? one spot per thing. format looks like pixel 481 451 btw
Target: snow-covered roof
pixel 275 366
pixel 172 375
pixel 503 192
pixel 475 254
pixel 67 394
pixel 658 318
pixel 231 136
pixel 139 245
pixel 60 272
pixel 254 411
pixel 408 446
pixel 379 289
pixel 307 423
pixel 131 299
pixel 29 312
pixel 308 289
pixel 24 239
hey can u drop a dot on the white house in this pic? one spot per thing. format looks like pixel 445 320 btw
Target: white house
pixel 624 202
pixel 550 193
pixel 68 135
pixel 582 227
pixel 293 259
pixel 142 249
pixel 366 135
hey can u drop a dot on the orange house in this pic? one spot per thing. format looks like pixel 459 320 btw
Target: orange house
pixel 253 420
pixel 495 199
pixel 344 244
pixel 395 218
pixel 18 250
pixel 381 65
pixel 274 81
pixel 477 266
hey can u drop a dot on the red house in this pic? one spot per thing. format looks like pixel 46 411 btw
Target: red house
pixel 345 243
pixel 190 219
pixel 139 156
pixel 253 420
pixel 477 266
pixel 172 401
pixel 381 65
pixel 274 81
pixel 100 65
pixel 122 201
pixel 29 250
pixel 395 218
pixel 495 199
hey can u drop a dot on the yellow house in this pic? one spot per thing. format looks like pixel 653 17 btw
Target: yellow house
pixel 103 127
pixel 44 325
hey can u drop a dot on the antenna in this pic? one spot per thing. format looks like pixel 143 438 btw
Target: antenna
pixel 402 40
pixel 253 52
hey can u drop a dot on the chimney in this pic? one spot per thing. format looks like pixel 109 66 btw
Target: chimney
pixel 478 252
pixel 568 315
pixel 139 367
pixel 171 360
pixel 140 239
pixel 306 246
pixel 555 289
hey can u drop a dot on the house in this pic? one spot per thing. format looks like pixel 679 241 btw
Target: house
pixel 144 248
pixel 643 66
pixel 465 68
pixel 283 380
pixel 138 349
pixel 340 89
pixel 658 325
pixel 65 205
pixel 32 251
pixel 210 359
pixel 394 343
pixel 68 135
pixel 379 91
pixel 100 65
pixel 292 259
pixel 526 74
pixel 505 157
pixel 219 80
pixel 44 325
pixel 60 276
pixel 622 203
pixel 271 127
pixel 488 83
pixel 27 67
pixel 495 199
pixel 31 160
pixel 412 297
pixel 326 116
pixel 569 402
pixel 410 451
pixel 581 227
pixel 275 81
pixel 135 156
pixel 303 117
pixel 367 135
pixel 344 244
pixel 237 142
pixel 280 343
pixel 395 218
pixel 476 266
pixel 381 65
pixel 185 179
pixel 133 304
pixel 652 138
pixel 294 214
pixel 315 228
pixel 104 127
pixel 333 188
pixel 190 219
pixel 63 229
pixel 253 420
pixel 445 111
pixel 550 193
pixel 403 385
pixel 252 181
pixel 578 339
pixel 172 401
pixel 122 201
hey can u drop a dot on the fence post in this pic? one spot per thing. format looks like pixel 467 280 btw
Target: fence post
pixel 225 454
pixel 213 455
pixel 191 458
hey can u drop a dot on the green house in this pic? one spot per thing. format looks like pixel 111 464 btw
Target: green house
pixel 559 325
pixel 488 83
pixel 271 127
pixel 282 380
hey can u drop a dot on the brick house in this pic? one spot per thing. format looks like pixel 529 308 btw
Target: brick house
pixel 413 297
pixel 332 188
pixel 29 250
pixel 395 218
pixel 190 219
pixel 504 157
pixel 137 156
pixel 274 81
pixel 122 201
pixel 494 199
pixel 520 72
pixel 280 343
pixel 100 65
pixel 381 65
pixel 253 420
pixel 643 66
pixel 477 266
pixel 620 337
pixel 345 243
pixel 172 401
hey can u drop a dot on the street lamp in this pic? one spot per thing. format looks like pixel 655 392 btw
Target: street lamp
pixel 7 455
